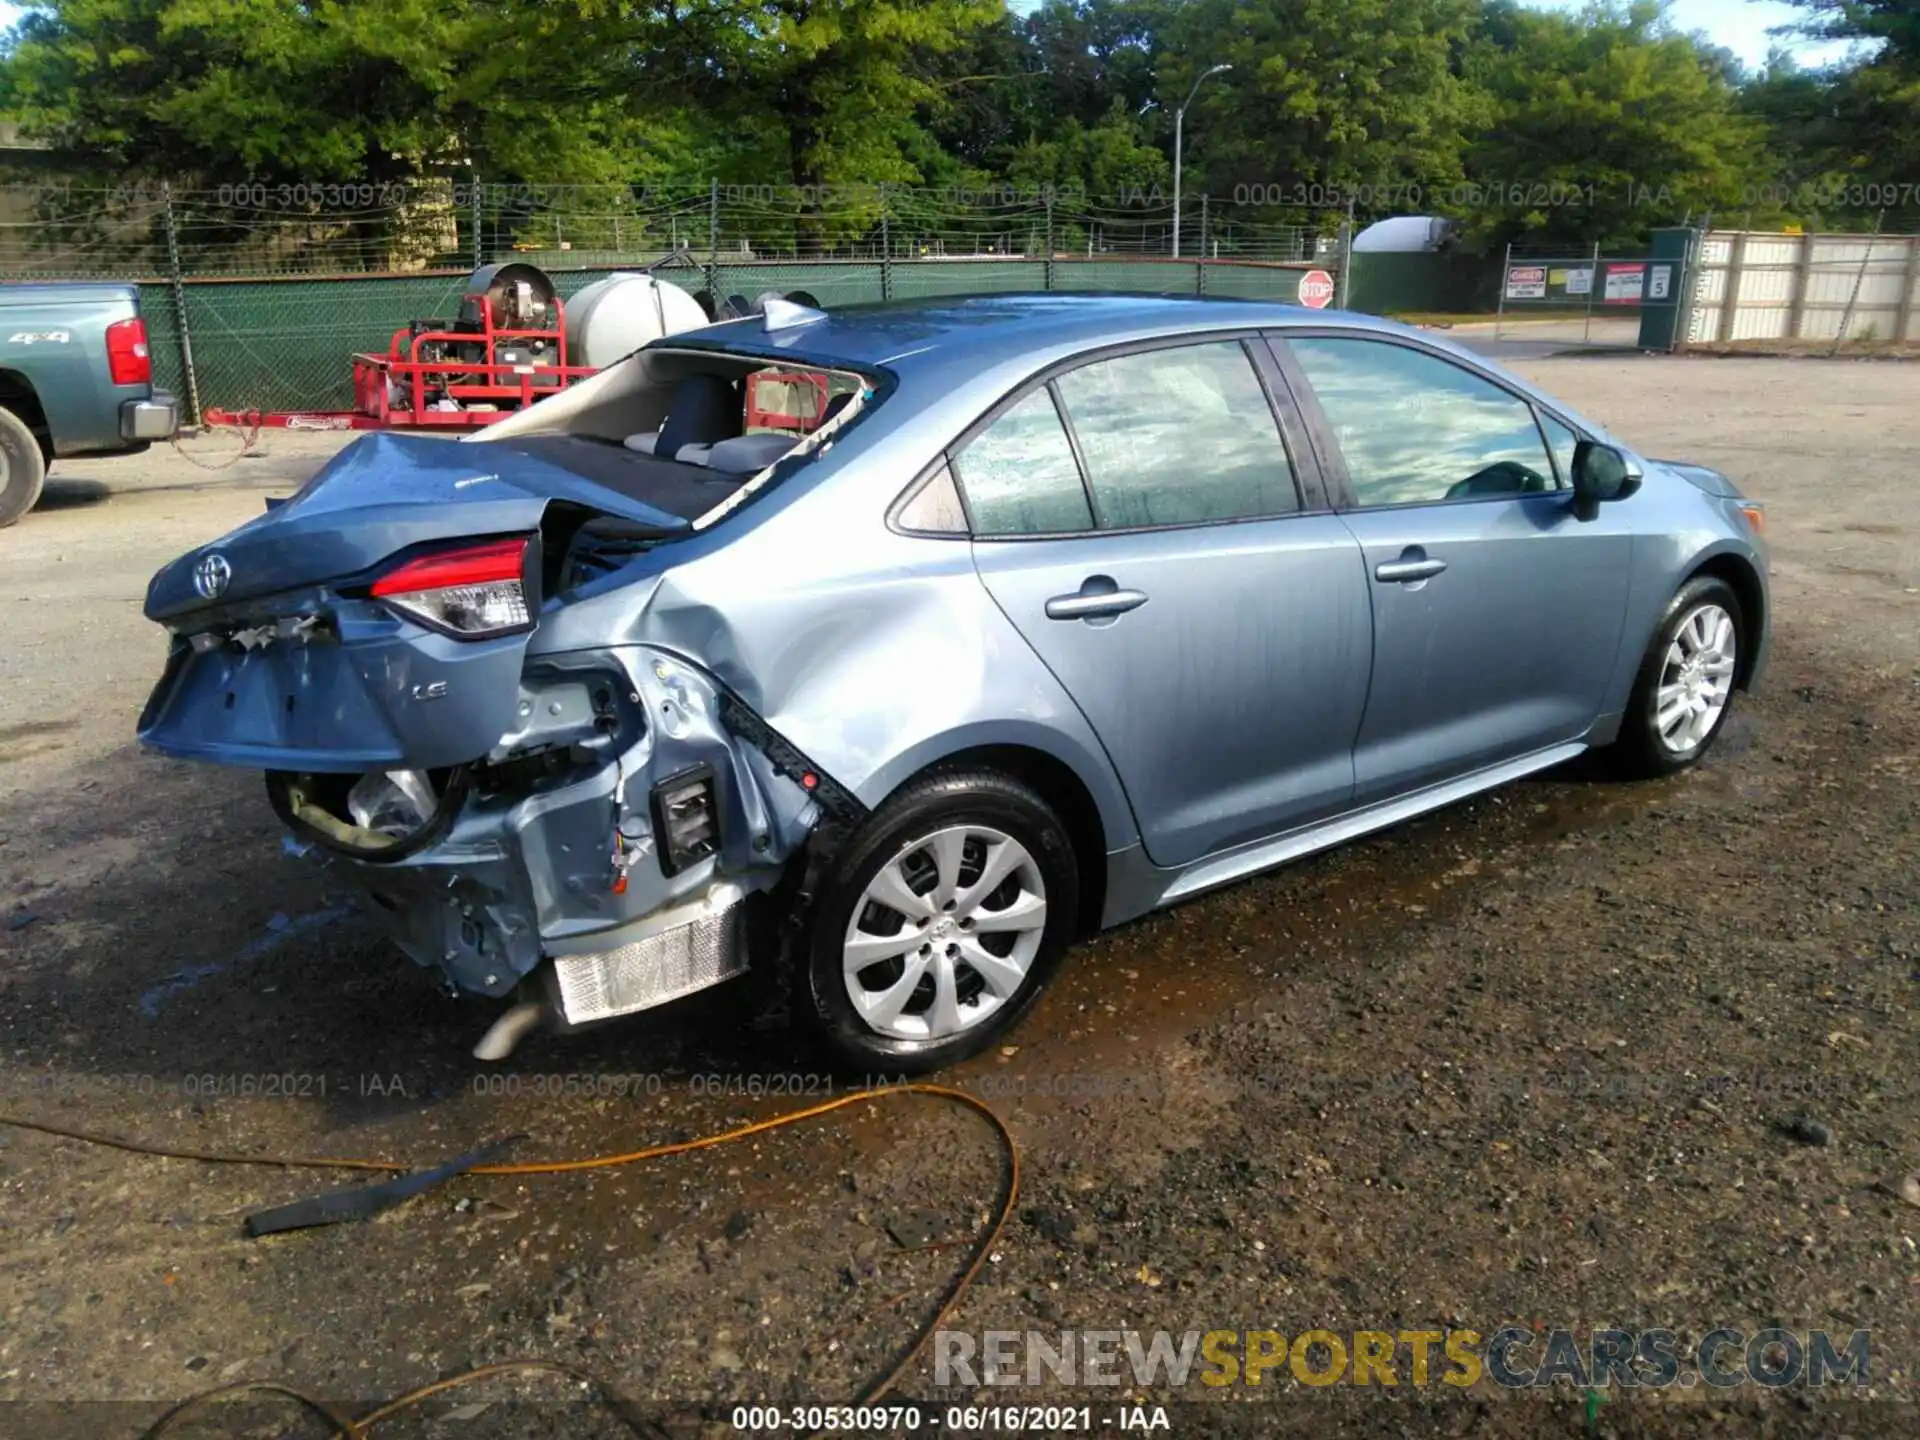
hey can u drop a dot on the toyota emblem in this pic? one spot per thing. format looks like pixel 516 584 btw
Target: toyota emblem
pixel 210 576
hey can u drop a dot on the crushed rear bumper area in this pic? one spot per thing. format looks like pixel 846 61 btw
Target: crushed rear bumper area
pixel 621 832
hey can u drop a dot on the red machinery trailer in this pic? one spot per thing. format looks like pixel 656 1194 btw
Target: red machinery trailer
pixel 507 348
pixel 510 346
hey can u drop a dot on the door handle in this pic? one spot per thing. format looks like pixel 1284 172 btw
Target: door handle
pixel 1095 603
pixel 1407 569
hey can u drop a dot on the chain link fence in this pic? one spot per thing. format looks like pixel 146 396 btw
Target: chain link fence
pixel 257 295
pixel 157 230
pixel 1585 300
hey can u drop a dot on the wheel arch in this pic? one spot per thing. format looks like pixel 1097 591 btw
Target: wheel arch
pixel 1739 574
pixel 18 395
pixel 1066 793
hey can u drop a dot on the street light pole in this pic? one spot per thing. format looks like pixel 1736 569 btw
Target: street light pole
pixel 1179 125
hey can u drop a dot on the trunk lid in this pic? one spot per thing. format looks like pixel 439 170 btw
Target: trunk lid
pixel 280 659
pixel 379 496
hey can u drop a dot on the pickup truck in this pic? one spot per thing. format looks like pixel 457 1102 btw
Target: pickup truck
pixel 75 379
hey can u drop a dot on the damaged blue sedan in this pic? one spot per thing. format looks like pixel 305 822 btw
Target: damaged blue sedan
pixel 913 643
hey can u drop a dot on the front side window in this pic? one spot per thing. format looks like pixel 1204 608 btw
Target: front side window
pixel 1019 474
pixel 1180 436
pixel 1415 428
pixel 1564 442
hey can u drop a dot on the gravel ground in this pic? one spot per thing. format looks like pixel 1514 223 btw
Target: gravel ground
pixel 1573 1054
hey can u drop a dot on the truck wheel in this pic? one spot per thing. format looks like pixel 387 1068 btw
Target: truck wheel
pixel 23 469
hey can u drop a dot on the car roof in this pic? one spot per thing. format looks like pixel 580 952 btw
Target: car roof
pixel 977 332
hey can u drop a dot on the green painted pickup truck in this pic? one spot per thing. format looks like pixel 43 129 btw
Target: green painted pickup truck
pixel 75 379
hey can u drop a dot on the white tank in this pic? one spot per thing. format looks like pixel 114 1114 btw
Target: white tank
pixel 1403 234
pixel 611 318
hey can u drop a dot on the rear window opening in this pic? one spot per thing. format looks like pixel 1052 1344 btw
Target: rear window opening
pixel 690 432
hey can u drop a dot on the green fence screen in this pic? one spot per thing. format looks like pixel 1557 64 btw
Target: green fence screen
pixel 286 344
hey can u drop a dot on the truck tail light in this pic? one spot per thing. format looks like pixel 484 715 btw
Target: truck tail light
pixel 128 362
pixel 469 591
pixel 686 822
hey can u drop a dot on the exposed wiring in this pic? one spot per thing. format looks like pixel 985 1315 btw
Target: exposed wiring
pixel 357 1428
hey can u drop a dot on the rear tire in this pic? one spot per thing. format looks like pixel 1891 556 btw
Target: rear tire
pixel 1684 691
pixel 944 918
pixel 23 468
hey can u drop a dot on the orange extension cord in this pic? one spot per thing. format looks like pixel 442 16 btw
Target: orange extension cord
pixel 350 1428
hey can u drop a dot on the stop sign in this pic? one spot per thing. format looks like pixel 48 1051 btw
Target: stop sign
pixel 1316 289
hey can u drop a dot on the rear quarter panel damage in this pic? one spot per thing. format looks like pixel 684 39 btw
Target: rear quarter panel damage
pixel 875 654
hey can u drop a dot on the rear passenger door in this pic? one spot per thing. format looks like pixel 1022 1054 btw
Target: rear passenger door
pixel 1153 525
pixel 1497 609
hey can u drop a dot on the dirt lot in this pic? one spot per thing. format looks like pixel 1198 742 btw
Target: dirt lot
pixel 1534 1060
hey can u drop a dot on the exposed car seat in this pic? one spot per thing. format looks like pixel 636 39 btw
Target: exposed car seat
pixel 748 454
pixel 737 454
pixel 706 409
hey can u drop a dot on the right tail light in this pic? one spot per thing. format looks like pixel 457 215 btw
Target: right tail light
pixel 470 591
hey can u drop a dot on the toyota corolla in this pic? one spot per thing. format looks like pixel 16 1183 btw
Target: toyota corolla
pixel 914 642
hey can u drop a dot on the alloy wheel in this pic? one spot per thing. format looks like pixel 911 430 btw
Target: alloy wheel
pixel 945 933
pixel 1696 678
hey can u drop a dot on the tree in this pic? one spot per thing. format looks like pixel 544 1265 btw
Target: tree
pixel 1324 95
pixel 1893 23
pixel 1106 162
pixel 1094 55
pixel 1862 135
pixel 840 77
pixel 988 100
pixel 286 90
pixel 1603 125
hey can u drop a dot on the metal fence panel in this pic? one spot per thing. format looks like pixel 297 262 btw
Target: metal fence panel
pixel 1758 290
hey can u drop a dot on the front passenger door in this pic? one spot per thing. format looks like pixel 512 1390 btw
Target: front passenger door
pixel 1497 611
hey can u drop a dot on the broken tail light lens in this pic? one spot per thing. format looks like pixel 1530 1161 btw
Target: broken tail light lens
pixel 686 821
pixel 470 591
pixel 128 360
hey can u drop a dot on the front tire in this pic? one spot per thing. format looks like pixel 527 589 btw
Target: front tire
pixel 946 915
pixel 23 468
pixel 1686 682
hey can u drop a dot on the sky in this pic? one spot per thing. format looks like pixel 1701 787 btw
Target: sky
pixel 1740 25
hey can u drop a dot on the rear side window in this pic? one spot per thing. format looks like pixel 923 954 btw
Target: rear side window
pixel 1019 474
pixel 1180 436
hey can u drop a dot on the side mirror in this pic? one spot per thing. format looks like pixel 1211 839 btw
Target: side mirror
pixel 1601 473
